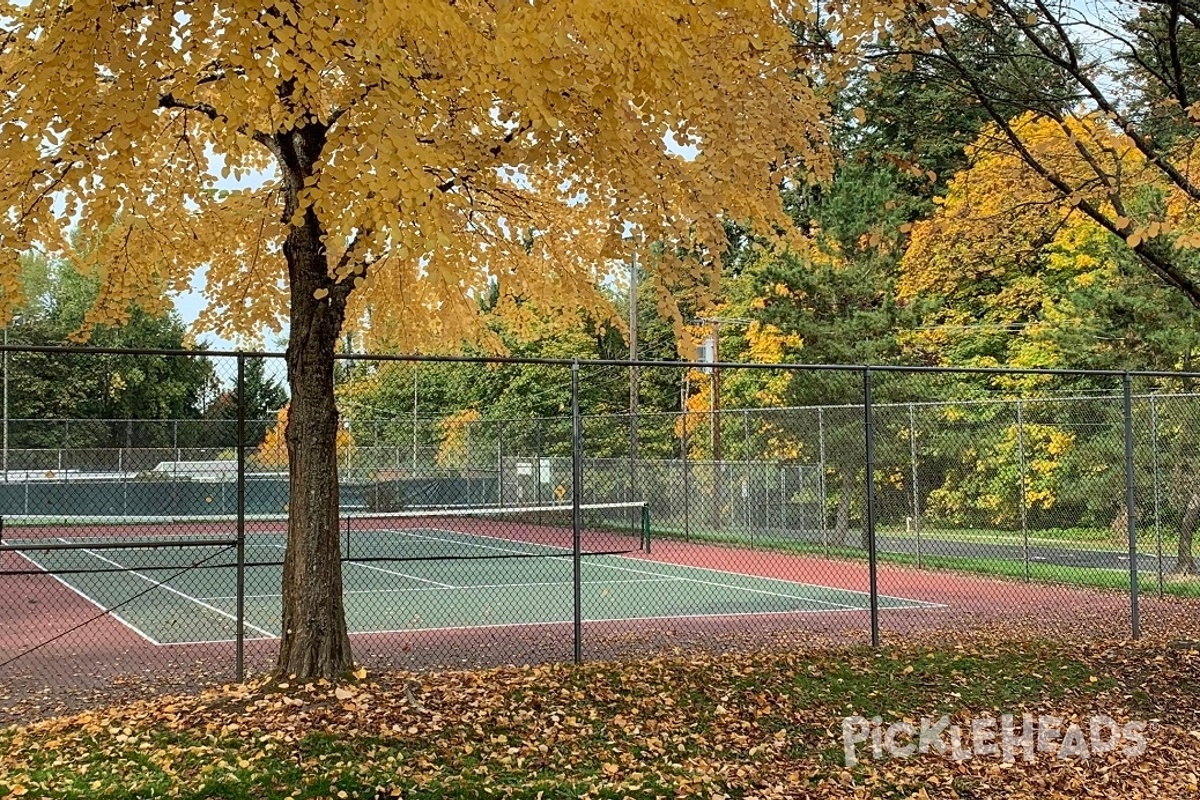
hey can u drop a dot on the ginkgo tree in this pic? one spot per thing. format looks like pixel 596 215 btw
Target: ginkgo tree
pixel 388 159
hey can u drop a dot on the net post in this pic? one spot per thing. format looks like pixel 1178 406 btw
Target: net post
pixel 1130 501
pixel 240 622
pixel 646 527
pixel 872 556
pixel 576 511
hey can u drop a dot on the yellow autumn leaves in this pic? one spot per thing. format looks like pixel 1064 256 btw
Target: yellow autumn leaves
pixel 272 453
pixel 444 148
pixel 1001 221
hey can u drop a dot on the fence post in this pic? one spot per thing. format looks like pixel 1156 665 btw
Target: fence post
pixel 241 519
pixel 633 434
pixel 414 426
pixel 500 463
pixel 467 460
pixel 539 444
pixel 821 477
pixel 1130 515
pixel 576 512
pixel 683 448
pixel 4 466
pixel 916 491
pixel 747 473
pixel 782 497
pixel 1157 491
pixel 746 458
pixel 872 560
pixel 124 486
pixel 1021 466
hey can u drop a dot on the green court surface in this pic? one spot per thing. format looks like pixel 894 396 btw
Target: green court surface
pixel 172 600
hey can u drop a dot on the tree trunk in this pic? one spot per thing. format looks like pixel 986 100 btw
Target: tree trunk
pixel 315 643
pixel 1185 562
pixel 841 529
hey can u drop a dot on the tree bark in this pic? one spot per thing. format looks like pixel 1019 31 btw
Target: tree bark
pixel 1185 562
pixel 315 642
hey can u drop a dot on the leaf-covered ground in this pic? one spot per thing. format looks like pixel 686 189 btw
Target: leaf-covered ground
pixel 747 725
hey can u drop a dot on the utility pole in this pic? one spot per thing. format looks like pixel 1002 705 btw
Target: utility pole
pixel 715 374
pixel 715 406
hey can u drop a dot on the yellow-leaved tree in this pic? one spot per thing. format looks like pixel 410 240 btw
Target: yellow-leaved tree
pixel 1007 259
pixel 389 158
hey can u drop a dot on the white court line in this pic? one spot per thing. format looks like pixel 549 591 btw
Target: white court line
pixel 220 641
pixel 567 554
pixel 556 551
pixel 660 574
pixel 436 584
pixel 739 588
pixel 77 591
pixel 665 618
pixel 173 590
pixel 664 579
pixel 543 623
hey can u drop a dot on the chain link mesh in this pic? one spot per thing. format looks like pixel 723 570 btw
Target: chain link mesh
pixel 147 552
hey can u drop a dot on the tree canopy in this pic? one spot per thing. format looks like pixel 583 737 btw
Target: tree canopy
pixel 436 146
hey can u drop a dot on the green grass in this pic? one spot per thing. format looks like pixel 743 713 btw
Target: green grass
pixel 1090 577
pixel 1089 538
pixel 1054 574
pixel 646 729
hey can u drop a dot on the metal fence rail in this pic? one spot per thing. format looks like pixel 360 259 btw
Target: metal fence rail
pixel 839 504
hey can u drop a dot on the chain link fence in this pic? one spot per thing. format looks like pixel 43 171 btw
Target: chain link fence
pixel 497 511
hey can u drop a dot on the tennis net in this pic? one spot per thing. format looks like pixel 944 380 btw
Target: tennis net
pixel 61 544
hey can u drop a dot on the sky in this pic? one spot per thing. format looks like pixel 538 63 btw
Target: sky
pixel 189 304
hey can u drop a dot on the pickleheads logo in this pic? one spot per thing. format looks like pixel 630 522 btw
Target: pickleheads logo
pixel 1007 737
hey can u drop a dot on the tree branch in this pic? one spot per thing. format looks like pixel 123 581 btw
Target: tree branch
pixel 169 100
pixel 1181 92
pixel 1148 254
pixel 1071 64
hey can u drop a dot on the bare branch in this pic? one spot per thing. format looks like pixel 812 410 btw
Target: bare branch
pixel 1181 91
pixel 168 100
pixel 1071 64
pixel 1145 250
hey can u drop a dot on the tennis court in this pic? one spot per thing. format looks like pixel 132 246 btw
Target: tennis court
pixel 433 570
